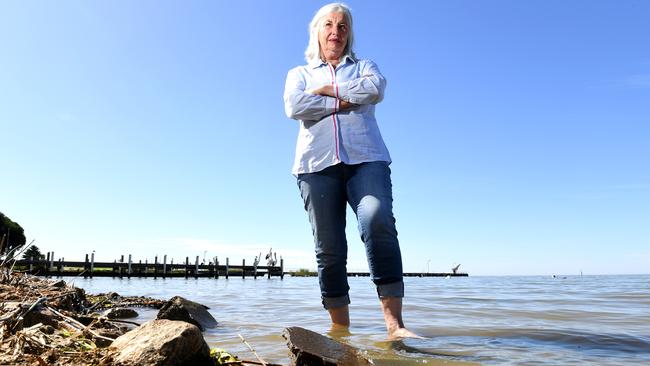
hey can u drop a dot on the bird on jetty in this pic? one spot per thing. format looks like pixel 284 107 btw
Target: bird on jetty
pixel 271 258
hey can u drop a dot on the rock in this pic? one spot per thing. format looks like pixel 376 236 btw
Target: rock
pixel 162 342
pixel 58 284
pixel 106 328
pixel 8 306
pixel 312 349
pixel 120 313
pixel 102 342
pixel 110 333
pixel 84 319
pixel 40 315
pixel 112 295
pixel 73 301
pixel 178 308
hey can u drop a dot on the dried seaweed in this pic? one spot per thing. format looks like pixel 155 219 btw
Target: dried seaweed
pixel 65 340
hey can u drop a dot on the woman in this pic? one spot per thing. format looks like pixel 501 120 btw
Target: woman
pixel 341 159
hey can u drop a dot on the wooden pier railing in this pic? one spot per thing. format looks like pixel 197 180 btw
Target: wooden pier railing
pixel 89 268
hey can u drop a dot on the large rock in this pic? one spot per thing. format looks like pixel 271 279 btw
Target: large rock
pixel 312 349
pixel 162 342
pixel 178 308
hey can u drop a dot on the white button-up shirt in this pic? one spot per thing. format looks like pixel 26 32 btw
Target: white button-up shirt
pixel 328 136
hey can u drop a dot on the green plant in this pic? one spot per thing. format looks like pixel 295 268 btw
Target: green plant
pixel 303 272
pixel 221 357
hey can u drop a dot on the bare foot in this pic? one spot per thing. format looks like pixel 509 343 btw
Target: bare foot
pixel 392 309
pixel 401 333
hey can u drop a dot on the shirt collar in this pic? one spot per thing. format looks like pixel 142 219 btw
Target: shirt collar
pixel 317 62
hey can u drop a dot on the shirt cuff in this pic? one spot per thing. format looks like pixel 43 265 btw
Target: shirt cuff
pixel 331 103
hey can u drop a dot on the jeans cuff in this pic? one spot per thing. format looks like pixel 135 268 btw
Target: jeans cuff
pixel 336 302
pixel 395 289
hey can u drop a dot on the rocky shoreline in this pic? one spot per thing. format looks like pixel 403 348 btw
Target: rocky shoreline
pixel 48 322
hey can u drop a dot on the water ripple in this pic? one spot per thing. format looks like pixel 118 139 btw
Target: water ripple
pixel 597 320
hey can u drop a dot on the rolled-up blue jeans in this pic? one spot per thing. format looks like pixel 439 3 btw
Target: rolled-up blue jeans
pixel 367 188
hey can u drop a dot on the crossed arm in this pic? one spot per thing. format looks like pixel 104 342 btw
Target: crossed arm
pixel 328 90
pixel 314 104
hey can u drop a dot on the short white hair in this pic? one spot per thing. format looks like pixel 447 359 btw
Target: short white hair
pixel 313 48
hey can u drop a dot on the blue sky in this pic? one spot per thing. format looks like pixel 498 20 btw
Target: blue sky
pixel 519 130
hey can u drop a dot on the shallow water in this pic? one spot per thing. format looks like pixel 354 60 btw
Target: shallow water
pixel 603 320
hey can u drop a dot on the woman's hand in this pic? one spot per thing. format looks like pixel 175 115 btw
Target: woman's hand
pixel 344 106
pixel 328 90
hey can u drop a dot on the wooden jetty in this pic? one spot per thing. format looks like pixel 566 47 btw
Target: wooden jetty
pixel 454 273
pixel 414 274
pixel 120 269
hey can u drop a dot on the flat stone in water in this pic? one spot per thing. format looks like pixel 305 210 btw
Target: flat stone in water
pixel 312 349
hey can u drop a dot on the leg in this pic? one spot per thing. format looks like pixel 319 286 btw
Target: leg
pixel 325 201
pixel 369 192
pixel 340 316
pixel 370 195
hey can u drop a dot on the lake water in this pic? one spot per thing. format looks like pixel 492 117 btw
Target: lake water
pixel 598 320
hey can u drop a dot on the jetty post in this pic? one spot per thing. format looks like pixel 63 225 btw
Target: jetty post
pixel 120 268
pixel 51 266
pixel 227 267
pixel 47 260
pixel 86 266
pixel 164 265
pixel 216 265
pixel 155 268
pixel 281 268
pixel 196 268
pixel 243 268
pixel 92 263
pixel 128 272
pixel 187 265
pixel 146 264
